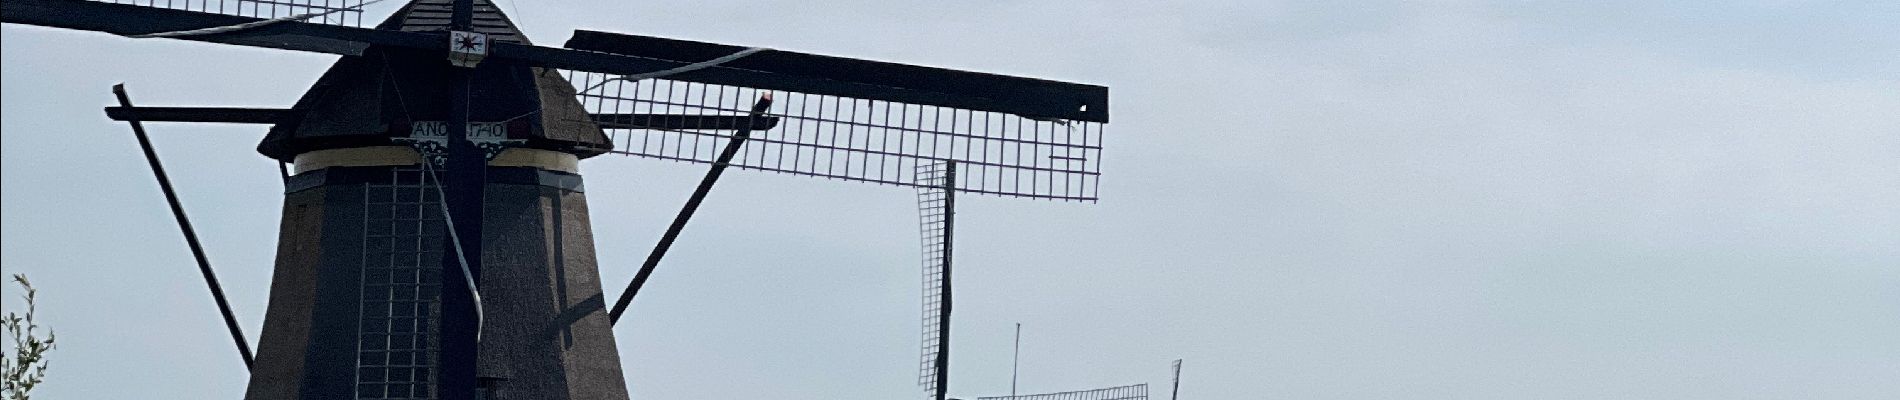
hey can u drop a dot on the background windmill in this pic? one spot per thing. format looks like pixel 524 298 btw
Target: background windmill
pixel 1130 392
pixel 412 291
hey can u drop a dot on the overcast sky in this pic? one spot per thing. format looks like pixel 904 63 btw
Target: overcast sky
pixel 1354 200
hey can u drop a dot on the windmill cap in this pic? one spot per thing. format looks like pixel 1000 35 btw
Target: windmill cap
pixel 368 100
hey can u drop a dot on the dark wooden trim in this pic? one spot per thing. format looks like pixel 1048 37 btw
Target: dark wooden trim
pixel 199 114
pixel 863 79
pixel 238 115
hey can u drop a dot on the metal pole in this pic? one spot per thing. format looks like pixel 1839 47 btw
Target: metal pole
pixel 1014 360
pixel 1177 380
pixel 191 236
pixel 943 319
pixel 686 213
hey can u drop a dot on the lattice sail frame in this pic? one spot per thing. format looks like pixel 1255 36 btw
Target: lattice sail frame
pixel 933 206
pixel 1130 392
pixel 345 12
pixel 858 139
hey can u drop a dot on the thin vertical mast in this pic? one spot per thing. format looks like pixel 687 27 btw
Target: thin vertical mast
pixel 1177 380
pixel 949 235
pixel 1014 359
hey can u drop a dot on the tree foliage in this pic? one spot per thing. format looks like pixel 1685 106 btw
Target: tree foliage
pixel 24 365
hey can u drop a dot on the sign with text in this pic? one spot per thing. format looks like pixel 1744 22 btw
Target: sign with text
pixel 477 131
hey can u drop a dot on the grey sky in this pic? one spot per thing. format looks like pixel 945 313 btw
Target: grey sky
pixel 1350 200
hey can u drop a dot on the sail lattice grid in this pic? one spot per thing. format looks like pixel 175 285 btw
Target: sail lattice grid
pixel 854 139
pixel 334 12
pixel 933 208
pixel 1130 392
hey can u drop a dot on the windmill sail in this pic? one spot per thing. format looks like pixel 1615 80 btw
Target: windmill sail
pixel 858 139
pixel 865 79
pixel 934 208
pixel 327 12
pixel 836 118
pixel 333 28
pixel 1130 392
pixel 860 120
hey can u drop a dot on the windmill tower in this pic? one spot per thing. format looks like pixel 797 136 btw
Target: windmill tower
pixel 361 260
pixel 435 239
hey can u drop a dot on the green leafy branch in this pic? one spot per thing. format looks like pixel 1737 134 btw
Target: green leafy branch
pixel 25 367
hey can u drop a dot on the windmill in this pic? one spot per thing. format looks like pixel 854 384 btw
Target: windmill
pixel 1137 391
pixel 435 241
pixel 1130 392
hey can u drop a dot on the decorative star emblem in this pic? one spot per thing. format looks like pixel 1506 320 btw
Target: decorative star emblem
pixel 466 49
pixel 468 43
